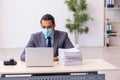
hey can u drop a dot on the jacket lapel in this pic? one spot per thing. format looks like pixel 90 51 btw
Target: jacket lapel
pixel 55 43
pixel 42 40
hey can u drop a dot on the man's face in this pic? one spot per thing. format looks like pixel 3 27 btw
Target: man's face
pixel 47 24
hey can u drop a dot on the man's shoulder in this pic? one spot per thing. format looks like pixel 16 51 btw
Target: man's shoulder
pixel 60 32
pixel 37 34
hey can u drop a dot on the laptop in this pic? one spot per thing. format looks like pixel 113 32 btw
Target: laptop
pixel 39 57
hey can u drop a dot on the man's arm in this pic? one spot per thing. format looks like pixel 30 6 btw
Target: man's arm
pixel 64 42
pixel 30 44
pixel 67 43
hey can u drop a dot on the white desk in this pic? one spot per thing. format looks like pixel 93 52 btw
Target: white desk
pixel 88 65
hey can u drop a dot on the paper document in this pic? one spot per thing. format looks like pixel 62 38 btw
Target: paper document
pixel 70 57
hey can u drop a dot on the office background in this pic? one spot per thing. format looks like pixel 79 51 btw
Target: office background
pixel 20 18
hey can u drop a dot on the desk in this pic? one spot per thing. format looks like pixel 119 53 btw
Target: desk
pixel 88 65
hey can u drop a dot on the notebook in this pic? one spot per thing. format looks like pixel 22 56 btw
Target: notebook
pixel 39 56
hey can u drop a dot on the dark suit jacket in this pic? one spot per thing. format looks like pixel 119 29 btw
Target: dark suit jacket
pixel 61 40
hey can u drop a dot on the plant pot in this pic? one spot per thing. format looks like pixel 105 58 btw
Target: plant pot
pixel 77 39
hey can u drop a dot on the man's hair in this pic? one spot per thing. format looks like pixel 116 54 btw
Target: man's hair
pixel 48 17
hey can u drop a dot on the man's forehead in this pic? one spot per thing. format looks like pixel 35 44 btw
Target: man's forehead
pixel 46 22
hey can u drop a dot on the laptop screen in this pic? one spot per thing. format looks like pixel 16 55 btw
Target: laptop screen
pixel 39 56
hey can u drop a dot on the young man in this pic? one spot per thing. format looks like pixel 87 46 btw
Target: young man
pixel 58 39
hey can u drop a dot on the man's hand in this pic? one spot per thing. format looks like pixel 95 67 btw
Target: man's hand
pixel 55 58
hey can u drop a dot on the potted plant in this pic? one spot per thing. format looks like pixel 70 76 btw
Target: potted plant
pixel 80 17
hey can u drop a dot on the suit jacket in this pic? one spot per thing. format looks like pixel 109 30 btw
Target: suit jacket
pixel 61 40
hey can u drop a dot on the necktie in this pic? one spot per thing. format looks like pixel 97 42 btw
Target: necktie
pixel 49 41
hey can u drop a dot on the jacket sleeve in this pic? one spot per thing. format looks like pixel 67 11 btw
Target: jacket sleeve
pixel 67 43
pixel 29 44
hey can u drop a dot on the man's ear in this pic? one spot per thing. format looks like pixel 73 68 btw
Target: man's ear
pixel 54 26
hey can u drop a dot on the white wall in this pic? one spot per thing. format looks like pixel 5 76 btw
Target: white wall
pixel 20 18
pixel 95 37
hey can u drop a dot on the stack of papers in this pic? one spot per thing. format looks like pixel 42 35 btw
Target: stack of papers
pixel 70 57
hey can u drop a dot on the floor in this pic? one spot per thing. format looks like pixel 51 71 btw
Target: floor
pixel 110 54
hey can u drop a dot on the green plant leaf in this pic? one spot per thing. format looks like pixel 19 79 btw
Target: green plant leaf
pixel 80 16
pixel 71 5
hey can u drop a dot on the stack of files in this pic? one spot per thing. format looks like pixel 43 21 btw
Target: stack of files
pixel 70 57
pixel 110 3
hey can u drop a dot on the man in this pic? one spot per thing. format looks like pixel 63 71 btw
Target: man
pixel 58 39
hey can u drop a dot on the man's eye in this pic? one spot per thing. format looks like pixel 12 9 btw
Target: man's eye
pixel 49 27
pixel 44 27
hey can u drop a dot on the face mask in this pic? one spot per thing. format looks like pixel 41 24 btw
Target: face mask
pixel 47 32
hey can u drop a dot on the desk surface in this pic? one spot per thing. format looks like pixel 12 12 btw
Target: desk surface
pixel 87 65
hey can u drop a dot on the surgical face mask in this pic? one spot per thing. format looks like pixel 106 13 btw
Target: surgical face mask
pixel 47 32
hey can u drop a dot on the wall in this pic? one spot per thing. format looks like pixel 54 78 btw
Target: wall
pixel 95 37
pixel 20 18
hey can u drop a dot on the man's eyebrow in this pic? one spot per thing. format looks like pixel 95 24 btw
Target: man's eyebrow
pixel 47 26
pixel 43 26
